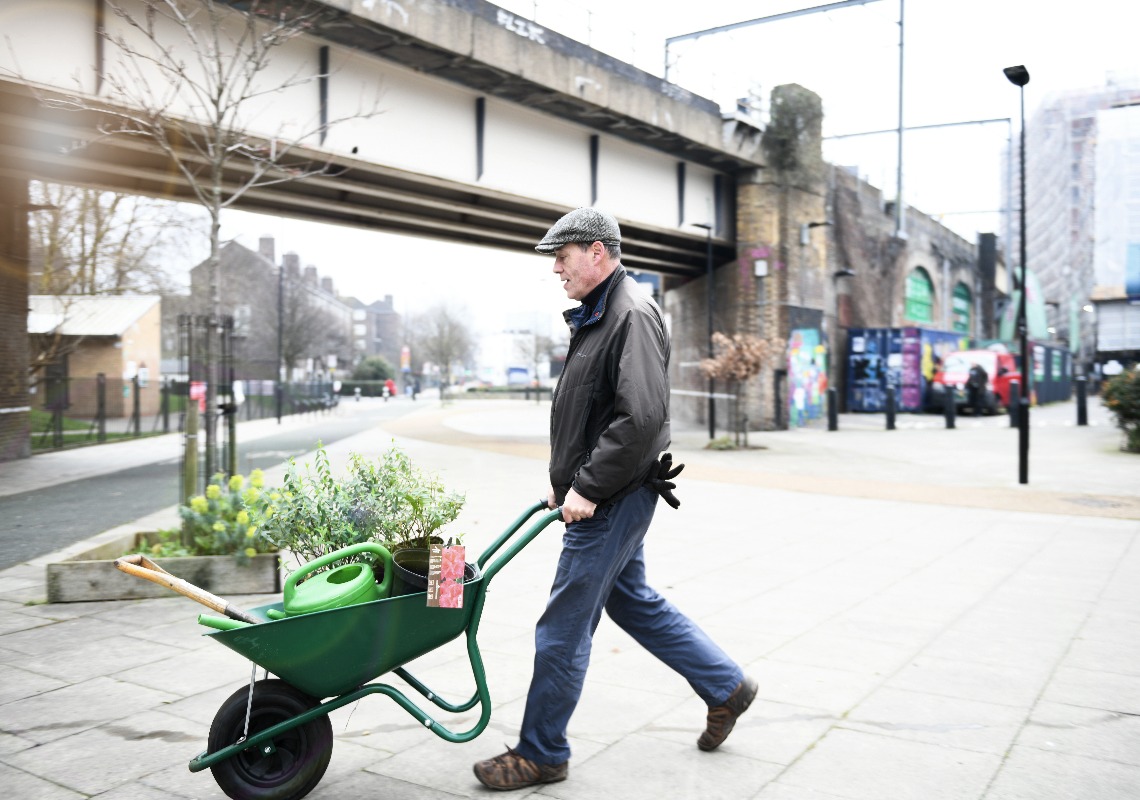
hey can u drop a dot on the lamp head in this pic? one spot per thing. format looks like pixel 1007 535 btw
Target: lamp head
pixel 1018 76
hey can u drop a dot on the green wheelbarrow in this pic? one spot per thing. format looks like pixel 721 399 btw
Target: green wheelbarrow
pixel 273 739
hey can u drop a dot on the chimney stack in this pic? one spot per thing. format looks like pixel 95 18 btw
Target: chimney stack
pixel 292 263
pixel 265 246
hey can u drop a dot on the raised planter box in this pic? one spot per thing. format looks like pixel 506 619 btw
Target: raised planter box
pixel 91 574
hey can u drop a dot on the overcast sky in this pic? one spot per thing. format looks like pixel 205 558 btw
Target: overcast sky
pixel 954 54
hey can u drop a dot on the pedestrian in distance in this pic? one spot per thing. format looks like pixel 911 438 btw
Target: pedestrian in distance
pixel 976 387
pixel 609 428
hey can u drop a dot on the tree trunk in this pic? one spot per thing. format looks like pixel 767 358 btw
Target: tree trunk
pixel 213 326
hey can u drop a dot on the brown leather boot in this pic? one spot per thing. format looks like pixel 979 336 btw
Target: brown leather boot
pixel 512 771
pixel 722 718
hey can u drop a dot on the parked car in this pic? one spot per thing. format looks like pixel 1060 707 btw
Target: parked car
pixel 954 372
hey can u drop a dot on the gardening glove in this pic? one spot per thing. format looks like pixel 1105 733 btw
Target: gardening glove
pixel 661 479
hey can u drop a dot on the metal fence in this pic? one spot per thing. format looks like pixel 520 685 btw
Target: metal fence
pixel 73 412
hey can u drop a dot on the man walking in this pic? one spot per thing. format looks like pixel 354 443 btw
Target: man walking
pixel 609 424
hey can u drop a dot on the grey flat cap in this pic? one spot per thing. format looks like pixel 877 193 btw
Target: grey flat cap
pixel 580 225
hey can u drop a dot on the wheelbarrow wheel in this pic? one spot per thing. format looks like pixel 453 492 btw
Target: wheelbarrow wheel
pixel 298 758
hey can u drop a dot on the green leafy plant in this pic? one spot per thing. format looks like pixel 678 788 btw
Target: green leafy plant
pixel 388 500
pixel 217 523
pixel 1122 396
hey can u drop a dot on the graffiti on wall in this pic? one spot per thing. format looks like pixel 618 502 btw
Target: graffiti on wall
pixel 807 376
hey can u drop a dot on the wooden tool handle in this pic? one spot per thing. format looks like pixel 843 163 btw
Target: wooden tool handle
pixel 142 567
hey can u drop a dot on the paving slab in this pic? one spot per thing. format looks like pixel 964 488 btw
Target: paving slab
pixel 869 766
pixel 1044 775
pixel 935 719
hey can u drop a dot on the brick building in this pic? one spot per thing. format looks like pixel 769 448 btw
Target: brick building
pixel 817 253
pixel 317 326
pixel 377 330
pixel 116 336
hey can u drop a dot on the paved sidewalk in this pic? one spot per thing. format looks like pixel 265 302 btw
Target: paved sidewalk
pixel 63 466
pixel 920 626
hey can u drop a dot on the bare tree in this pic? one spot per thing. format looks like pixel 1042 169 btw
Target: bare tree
pixel 737 360
pixel 535 348
pixel 92 242
pixel 308 331
pixel 442 336
pixel 188 76
pixel 89 241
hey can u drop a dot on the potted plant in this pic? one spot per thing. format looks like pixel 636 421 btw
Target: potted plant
pixel 387 500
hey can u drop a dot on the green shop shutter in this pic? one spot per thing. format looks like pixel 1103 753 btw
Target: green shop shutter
pixel 963 308
pixel 919 297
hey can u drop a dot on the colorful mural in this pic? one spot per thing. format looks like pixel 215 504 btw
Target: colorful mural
pixel 807 376
pixel 904 359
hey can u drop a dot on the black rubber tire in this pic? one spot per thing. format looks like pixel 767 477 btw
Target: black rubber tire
pixel 302 753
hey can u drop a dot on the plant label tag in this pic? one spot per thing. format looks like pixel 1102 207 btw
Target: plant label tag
pixel 445 576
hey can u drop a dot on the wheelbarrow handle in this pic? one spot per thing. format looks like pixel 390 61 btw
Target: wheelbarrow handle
pixel 550 515
pixel 142 567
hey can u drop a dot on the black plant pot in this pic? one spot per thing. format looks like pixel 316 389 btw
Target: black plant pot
pixel 410 571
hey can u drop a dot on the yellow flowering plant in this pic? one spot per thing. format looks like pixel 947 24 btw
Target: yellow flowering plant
pixel 219 522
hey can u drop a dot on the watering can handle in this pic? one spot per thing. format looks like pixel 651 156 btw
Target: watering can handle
pixel 142 567
pixel 331 558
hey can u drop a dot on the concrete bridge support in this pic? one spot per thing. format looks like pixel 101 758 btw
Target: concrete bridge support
pixel 779 280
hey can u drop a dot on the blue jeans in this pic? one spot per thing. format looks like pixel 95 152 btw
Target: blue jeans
pixel 602 566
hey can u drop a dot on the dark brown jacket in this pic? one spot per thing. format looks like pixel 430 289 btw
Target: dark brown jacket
pixel 609 415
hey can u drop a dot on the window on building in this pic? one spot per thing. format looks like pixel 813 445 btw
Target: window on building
pixel 963 307
pixel 242 316
pixel 919 304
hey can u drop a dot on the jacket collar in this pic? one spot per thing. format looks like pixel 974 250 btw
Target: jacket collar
pixel 584 314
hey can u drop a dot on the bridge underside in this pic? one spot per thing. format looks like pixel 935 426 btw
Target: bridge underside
pixel 65 146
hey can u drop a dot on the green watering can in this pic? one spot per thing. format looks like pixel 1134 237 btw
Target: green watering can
pixel 346 585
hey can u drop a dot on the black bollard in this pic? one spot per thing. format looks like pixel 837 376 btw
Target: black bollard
pixel 1082 401
pixel 890 408
pixel 1014 402
pixel 832 411
pixel 950 406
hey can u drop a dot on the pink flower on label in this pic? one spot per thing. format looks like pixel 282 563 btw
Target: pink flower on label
pixel 452 565
pixel 451 595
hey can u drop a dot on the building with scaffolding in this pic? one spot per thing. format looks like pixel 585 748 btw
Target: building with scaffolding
pixel 1082 179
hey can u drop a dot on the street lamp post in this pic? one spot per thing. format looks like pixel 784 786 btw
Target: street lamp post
pixel 710 294
pixel 279 389
pixel 1019 76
